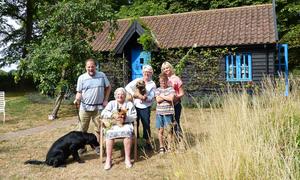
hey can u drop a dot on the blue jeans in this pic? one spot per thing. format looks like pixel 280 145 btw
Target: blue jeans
pixel 144 116
pixel 177 128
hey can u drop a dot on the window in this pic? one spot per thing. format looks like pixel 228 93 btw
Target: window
pixel 239 67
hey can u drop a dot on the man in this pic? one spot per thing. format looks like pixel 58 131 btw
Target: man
pixel 93 90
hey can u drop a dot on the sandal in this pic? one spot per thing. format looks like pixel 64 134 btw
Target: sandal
pixel 162 150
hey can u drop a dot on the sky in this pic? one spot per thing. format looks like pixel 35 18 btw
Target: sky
pixel 13 66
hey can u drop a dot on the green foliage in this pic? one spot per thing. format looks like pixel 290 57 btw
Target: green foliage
pixel 14 39
pixel 182 63
pixel 147 41
pixel 58 58
pixel 115 68
pixel 7 82
pixel 199 67
pixel 289 28
pixel 142 8
pixel 214 4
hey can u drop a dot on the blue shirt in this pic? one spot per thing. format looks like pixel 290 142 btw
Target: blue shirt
pixel 92 90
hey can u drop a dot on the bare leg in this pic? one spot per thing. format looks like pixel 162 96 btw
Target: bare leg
pixel 109 147
pixel 127 147
pixel 161 137
pixel 170 141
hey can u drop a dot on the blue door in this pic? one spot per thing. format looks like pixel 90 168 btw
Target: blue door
pixel 138 59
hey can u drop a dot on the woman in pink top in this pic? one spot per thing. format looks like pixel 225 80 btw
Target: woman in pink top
pixel 176 83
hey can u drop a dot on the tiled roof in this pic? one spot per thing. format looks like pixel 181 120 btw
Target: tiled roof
pixel 246 25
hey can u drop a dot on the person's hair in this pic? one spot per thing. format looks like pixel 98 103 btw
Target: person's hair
pixel 167 65
pixel 163 76
pixel 92 60
pixel 120 89
pixel 147 67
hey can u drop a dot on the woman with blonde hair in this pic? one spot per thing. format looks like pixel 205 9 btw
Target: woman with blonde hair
pixel 175 82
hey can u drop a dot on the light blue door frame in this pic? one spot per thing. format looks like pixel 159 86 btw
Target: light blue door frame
pixel 283 64
pixel 138 59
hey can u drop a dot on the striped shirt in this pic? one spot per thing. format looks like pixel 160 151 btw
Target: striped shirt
pixel 164 107
pixel 92 90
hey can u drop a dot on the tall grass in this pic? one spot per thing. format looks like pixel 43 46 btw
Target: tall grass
pixel 245 138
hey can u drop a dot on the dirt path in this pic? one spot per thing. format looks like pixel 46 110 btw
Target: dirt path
pixel 26 132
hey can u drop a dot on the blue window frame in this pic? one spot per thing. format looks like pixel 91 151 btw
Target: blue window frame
pixel 239 67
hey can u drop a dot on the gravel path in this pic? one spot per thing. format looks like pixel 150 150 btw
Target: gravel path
pixel 26 132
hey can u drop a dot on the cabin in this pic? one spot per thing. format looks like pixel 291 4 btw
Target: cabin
pixel 250 30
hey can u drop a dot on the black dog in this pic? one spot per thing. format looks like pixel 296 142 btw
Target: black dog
pixel 65 146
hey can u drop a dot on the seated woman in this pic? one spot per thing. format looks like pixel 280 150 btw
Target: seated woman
pixel 116 131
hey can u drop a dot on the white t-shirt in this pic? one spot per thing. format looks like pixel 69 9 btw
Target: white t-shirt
pixel 150 91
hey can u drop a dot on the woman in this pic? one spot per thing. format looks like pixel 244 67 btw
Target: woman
pixel 143 103
pixel 126 131
pixel 176 83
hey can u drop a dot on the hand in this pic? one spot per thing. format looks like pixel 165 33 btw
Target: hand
pixel 105 102
pixel 143 97
pixel 115 116
pixel 77 103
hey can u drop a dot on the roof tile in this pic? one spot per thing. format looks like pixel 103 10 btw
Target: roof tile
pixel 219 27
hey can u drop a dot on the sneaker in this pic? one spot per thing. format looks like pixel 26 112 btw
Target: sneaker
pixel 97 150
pixel 81 151
pixel 162 150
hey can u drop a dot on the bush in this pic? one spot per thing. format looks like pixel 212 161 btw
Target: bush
pixel 7 82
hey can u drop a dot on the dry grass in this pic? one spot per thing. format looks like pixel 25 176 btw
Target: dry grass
pixel 244 139
pixel 23 111
pixel 14 152
pixel 250 139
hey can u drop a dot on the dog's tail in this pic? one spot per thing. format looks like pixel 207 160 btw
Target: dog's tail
pixel 35 162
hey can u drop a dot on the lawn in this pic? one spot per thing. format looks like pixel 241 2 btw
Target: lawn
pixel 27 110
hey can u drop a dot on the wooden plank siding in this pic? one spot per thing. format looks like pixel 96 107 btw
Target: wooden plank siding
pixel 262 65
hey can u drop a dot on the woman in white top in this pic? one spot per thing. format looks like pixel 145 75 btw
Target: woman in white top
pixel 126 131
pixel 143 103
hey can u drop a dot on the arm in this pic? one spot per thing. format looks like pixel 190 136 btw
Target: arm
pixel 179 95
pixel 107 91
pixel 130 87
pixel 151 94
pixel 77 99
pixel 78 95
pixel 107 112
pixel 169 97
pixel 159 99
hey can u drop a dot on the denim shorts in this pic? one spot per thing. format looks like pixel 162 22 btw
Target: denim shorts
pixel 162 121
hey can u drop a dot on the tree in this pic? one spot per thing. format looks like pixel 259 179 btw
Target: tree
pixel 14 40
pixel 56 60
pixel 288 12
